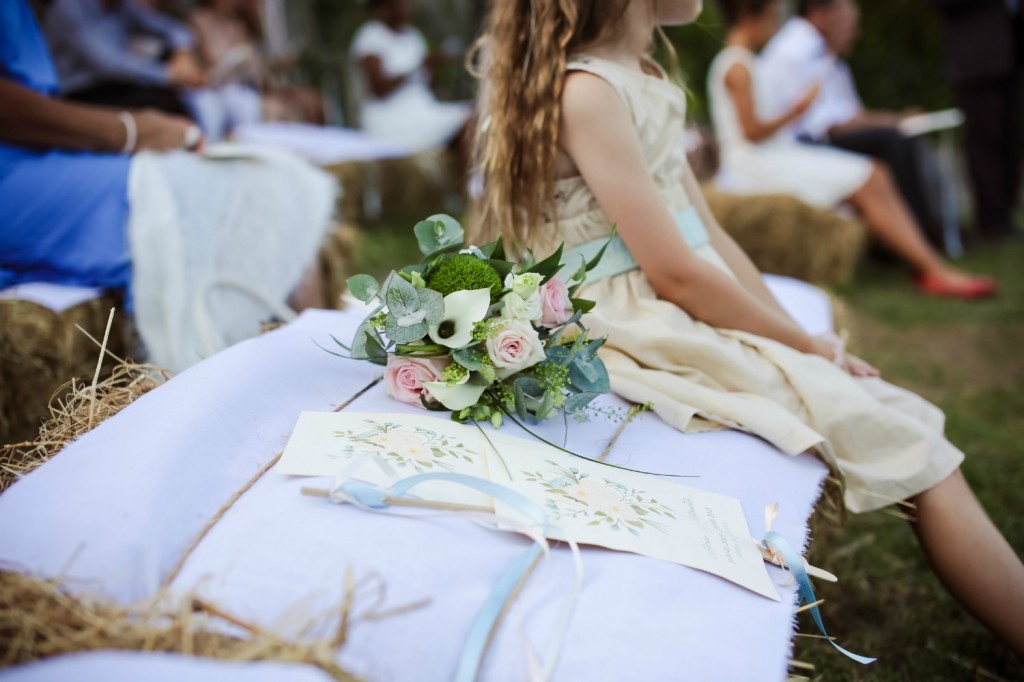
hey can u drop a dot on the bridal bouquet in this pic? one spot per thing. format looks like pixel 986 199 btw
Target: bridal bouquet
pixel 470 331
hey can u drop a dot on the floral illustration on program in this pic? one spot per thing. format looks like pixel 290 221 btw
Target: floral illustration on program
pixel 575 495
pixel 418 447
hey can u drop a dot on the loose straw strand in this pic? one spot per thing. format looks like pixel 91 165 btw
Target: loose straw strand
pixel 219 514
pixel 99 364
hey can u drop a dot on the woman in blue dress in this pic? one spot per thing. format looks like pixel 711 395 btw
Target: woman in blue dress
pixel 64 169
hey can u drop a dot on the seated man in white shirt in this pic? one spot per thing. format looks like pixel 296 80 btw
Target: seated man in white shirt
pixel 808 50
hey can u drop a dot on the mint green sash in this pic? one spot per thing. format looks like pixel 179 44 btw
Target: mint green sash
pixel 617 259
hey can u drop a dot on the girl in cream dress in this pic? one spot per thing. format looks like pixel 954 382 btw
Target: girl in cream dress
pixel 584 132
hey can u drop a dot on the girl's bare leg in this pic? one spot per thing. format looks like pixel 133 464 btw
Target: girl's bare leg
pixel 889 219
pixel 972 559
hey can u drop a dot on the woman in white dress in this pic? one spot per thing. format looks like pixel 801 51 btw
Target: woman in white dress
pixel 759 156
pixel 395 72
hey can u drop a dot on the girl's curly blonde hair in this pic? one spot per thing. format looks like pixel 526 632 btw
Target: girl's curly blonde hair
pixel 521 58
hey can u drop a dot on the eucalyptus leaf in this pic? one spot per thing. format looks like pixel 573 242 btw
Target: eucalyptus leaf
pixel 517 391
pixel 589 376
pixel 559 355
pixel 546 404
pixel 359 341
pixel 363 287
pixel 433 303
pixel 577 402
pixel 410 319
pixel 438 232
pixel 470 358
pixel 404 334
pixel 530 387
pixel 402 298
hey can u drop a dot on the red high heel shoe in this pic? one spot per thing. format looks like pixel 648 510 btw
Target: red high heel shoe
pixel 971 288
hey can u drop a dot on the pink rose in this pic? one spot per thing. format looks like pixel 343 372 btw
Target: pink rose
pixel 405 376
pixel 514 347
pixel 556 308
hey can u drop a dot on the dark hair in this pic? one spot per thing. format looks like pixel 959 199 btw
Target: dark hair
pixel 734 10
pixel 804 7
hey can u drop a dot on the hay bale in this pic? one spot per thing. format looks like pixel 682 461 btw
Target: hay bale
pixel 40 618
pixel 338 255
pixel 413 185
pixel 786 236
pixel 75 409
pixel 41 350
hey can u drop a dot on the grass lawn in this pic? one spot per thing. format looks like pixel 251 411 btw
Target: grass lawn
pixel 968 358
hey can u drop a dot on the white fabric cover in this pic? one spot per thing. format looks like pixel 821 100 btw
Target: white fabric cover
pixel 56 297
pixel 138 666
pixel 218 245
pixel 117 507
pixel 322 145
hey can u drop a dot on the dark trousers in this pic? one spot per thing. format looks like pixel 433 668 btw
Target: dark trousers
pixel 132 96
pixel 907 158
pixel 992 137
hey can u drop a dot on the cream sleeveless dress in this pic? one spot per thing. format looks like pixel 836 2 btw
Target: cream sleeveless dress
pixel 883 442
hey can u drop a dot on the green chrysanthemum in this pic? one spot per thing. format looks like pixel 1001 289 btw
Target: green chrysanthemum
pixel 464 272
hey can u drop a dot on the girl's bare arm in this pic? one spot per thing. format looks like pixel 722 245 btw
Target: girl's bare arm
pixel 741 88
pixel 598 135
pixel 734 256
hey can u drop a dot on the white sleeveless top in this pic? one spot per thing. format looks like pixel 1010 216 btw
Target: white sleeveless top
pixel 817 174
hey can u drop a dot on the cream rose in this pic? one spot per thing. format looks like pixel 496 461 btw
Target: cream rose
pixel 405 376
pixel 523 285
pixel 515 307
pixel 514 347
pixel 556 308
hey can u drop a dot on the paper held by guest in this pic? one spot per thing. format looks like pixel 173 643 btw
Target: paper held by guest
pixel 591 502
pixel 922 124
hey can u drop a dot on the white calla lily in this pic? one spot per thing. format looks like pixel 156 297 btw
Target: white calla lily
pixel 462 309
pixel 459 396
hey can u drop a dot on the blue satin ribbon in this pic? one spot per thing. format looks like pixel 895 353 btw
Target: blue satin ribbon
pixel 617 259
pixel 372 497
pixel 795 563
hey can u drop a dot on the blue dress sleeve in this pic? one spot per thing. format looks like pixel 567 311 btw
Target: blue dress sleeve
pixel 24 57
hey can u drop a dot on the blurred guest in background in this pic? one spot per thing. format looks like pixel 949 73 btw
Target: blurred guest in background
pixel 101 56
pixel 235 71
pixel 395 73
pixel 984 54
pixel 242 84
pixel 64 169
pixel 761 155
pixel 808 50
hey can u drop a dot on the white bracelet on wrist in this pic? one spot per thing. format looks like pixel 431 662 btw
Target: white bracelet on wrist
pixel 131 131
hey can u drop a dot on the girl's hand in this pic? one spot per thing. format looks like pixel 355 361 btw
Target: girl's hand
pixel 831 348
pixel 859 368
pixel 805 102
pixel 160 132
